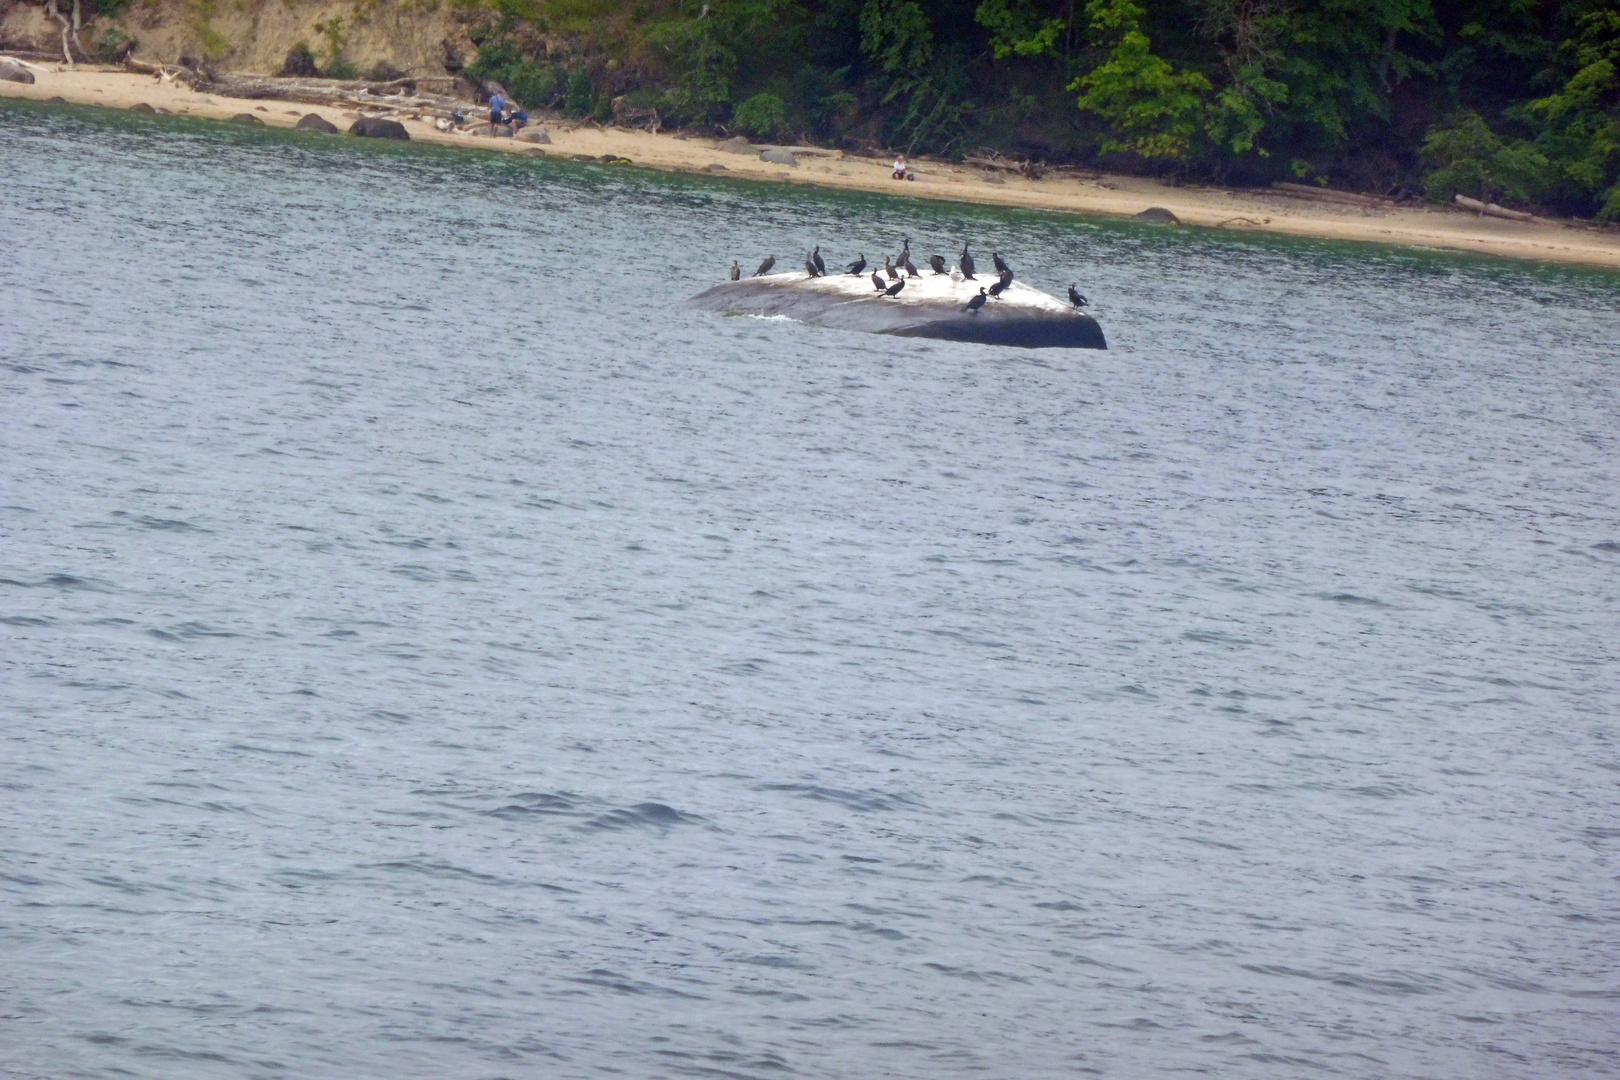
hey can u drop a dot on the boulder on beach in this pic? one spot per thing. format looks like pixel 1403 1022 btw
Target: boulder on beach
pixel 14 72
pixel 246 118
pixel 373 127
pixel 1159 216
pixel 736 145
pixel 777 156
pixel 535 135
pixel 58 100
pixel 141 106
pixel 316 122
pixel 501 131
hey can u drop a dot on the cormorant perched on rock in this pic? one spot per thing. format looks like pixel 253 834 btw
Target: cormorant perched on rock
pixel 938 263
pixel 1001 286
pixel 857 266
pixel 877 280
pixel 905 251
pixel 815 257
pixel 966 263
pixel 1075 298
pixel 976 303
pixel 1001 264
pixel 810 265
pixel 894 290
pixel 888 268
pixel 736 271
pixel 765 267
pixel 911 271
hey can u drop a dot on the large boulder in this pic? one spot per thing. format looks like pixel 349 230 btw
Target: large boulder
pixel 534 135
pixel 375 127
pixel 317 122
pixel 246 118
pixel 1159 216
pixel 14 72
pixel 141 106
pixel 778 156
pixel 735 145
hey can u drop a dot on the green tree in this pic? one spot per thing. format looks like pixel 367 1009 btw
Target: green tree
pixel 1153 110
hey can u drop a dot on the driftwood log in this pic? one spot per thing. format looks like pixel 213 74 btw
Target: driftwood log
pixel 1329 195
pixel 1493 210
pixel 399 95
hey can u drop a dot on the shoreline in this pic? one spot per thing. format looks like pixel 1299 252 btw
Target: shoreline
pixel 1102 195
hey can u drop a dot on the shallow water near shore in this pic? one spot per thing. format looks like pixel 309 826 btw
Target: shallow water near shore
pixel 428 650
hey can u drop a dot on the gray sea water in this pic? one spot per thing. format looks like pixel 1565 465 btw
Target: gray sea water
pixel 429 651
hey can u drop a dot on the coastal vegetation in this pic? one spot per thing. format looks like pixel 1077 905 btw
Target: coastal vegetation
pixel 1508 101
pixel 1516 101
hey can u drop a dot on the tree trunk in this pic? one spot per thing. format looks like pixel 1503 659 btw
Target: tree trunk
pixel 67 28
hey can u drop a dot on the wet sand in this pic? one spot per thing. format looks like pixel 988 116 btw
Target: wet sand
pixel 1108 195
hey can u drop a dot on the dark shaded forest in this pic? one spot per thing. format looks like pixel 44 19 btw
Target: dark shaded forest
pixel 1514 101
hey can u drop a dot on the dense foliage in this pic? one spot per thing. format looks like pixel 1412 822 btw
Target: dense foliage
pixel 1512 100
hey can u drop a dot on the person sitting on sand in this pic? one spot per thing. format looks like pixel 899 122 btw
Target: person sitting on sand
pixel 900 167
pixel 517 118
pixel 497 106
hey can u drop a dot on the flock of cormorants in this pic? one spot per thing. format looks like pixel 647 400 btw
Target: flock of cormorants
pixel 963 271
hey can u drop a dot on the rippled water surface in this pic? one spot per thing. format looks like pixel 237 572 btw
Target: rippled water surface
pixel 428 651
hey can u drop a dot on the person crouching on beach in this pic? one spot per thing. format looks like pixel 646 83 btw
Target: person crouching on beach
pixel 900 167
pixel 497 106
pixel 517 118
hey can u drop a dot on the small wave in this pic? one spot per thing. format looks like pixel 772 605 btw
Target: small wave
pixel 65 582
pixel 642 815
pixel 861 801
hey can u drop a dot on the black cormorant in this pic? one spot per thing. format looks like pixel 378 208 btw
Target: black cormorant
pixel 911 271
pixel 1001 264
pixel 1001 286
pixel 736 271
pixel 976 303
pixel 810 265
pixel 938 263
pixel 966 263
pixel 1075 298
pixel 877 280
pixel 765 267
pixel 888 268
pixel 857 266
pixel 894 290
pixel 815 257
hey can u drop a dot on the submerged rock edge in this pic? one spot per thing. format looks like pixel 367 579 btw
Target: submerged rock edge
pixel 1026 319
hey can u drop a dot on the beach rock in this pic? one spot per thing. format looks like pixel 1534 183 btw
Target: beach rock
pixel 10 72
pixel 372 127
pixel 715 167
pixel 317 122
pixel 534 136
pixel 501 132
pixel 614 159
pixel 1159 216
pixel 246 118
pixel 141 106
pixel 994 178
pixel 535 151
pixel 56 101
pixel 735 145
pixel 778 156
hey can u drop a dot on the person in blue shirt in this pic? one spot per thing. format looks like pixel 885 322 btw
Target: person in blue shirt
pixel 517 118
pixel 497 105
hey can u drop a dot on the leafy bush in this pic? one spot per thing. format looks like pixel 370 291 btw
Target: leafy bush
pixel 114 45
pixel 763 116
pixel 300 62
pixel 579 99
pixel 535 85
pixel 1475 161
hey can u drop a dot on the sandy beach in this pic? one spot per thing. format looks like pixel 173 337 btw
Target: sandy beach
pixel 1108 195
